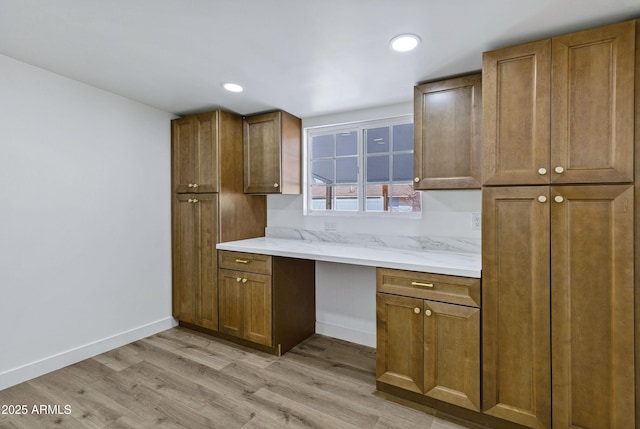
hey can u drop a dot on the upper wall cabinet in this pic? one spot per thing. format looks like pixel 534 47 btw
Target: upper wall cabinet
pixel 272 154
pixel 561 110
pixel 447 133
pixel 195 153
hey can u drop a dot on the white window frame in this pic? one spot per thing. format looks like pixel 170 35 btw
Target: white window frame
pixel 360 127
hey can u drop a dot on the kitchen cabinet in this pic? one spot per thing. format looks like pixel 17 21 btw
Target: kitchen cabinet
pixel 516 296
pixel 272 154
pixel 207 151
pixel 266 300
pixel 428 335
pixel 561 110
pixel 246 299
pixel 592 306
pixel 558 270
pixel 195 234
pixel 447 133
pixel 195 153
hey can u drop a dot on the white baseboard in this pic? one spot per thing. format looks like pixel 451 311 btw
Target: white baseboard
pixel 351 335
pixel 35 369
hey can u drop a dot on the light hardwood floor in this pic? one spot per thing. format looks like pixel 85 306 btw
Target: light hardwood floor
pixel 184 379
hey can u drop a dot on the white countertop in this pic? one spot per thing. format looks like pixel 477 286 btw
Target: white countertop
pixel 456 264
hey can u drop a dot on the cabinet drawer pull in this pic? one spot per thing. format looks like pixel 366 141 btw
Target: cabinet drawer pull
pixel 416 310
pixel 242 261
pixel 244 280
pixel 428 313
pixel 422 284
pixel 238 279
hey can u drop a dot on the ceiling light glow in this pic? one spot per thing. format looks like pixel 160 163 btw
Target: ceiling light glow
pixel 233 87
pixel 405 42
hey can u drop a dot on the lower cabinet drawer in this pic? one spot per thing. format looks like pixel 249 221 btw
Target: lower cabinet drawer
pixel 251 262
pixel 436 287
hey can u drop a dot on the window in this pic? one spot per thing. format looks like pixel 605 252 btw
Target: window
pixel 362 167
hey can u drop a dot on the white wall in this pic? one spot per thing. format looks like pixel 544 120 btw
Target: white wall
pixel 345 294
pixel 85 244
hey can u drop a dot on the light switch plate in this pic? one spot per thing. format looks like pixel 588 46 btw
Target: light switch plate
pixel 476 221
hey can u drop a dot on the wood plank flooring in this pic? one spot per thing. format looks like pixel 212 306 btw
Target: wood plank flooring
pixel 184 379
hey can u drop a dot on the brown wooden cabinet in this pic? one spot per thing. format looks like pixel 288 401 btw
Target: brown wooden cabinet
pixel 207 152
pixel 592 306
pixel 426 341
pixel 561 110
pixel 266 300
pixel 195 153
pixel 558 270
pixel 516 323
pixel 447 133
pixel 195 234
pixel 272 154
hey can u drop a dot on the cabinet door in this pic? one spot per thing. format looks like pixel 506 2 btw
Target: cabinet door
pixel 206 208
pixel 230 299
pixel 184 153
pixel 452 354
pixel 185 258
pixel 593 307
pixel 400 350
pixel 257 308
pixel 516 88
pixel 593 105
pixel 447 133
pixel 515 305
pixel 195 232
pixel 262 153
pixel 195 153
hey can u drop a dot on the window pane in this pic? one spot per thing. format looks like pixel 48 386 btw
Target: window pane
pixel 405 199
pixel 378 168
pixel 321 197
pixel 377 198
pixel 377 140
pixel 322 146
pixel 322 171
pixel 402 167
pixel 347 143
pixel 346 170
pixel 403 137
pixel 346 198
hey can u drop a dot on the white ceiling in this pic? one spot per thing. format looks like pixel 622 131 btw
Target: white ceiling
pixel 307 57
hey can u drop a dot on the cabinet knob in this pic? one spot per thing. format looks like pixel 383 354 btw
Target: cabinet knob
pixel 542 171
pixel 542 199
pixel 275 185
pixel 416 310
pixel 558 199
pixel 190 185
pixel 194 201
pixel 189 200
pixel 428 313
pixel 244 280
pixel 559 170
pixel 416 179
pixel 195 185
pixel 238 279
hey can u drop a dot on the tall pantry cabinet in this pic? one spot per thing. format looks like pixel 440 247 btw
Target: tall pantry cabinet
pixel 558 230
pixel 208 207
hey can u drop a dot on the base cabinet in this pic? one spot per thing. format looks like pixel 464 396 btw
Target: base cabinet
pixel 427 346
pixel 195 234
pixel 245 306
pixel 266 300
pixel 558 304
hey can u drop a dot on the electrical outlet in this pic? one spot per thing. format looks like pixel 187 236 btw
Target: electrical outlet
pixel 329 226
pixel 476 221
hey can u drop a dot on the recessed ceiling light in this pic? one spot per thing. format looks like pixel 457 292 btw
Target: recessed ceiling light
pixel 233 87
pixel 404 42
